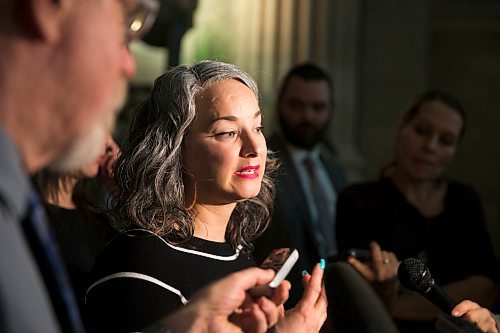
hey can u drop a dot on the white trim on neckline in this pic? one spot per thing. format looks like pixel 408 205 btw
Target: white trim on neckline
pixel 198 253
pixel 134 275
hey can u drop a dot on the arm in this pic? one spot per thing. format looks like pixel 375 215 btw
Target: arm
pixel 412 306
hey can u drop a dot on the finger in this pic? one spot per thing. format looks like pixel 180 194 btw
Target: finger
pixel 375 251
pixel 488 325
pixel 483 319
pixel 393 266
pixel 387 270
pixel 305 277
pixel 248 302
pixel 270 310
pixel 252 320
pixel 255 320
pixel 377 257
pixel 322 301
pixel 364 269
pixel 233 325
pixel 324 314
pixel 250 277
pixel 392 256
pixel 281 293
pixel 312 286
pixel 461 308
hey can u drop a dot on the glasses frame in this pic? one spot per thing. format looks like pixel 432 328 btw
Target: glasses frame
pixel 141 13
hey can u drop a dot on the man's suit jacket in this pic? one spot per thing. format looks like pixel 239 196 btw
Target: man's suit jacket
pixel 24 302
pixel 291 220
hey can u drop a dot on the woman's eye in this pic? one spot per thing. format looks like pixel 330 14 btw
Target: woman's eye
pixel 225 135
pixel 259 129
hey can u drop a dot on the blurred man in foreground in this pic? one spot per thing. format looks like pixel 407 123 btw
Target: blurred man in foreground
pixel 64 70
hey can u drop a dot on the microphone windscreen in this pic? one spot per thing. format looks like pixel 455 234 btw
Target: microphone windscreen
pixel 414 275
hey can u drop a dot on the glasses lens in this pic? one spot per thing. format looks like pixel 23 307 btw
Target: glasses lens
pixel 141 14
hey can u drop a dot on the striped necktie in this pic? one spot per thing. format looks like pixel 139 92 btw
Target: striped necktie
pixel 51 265
pixel 324 230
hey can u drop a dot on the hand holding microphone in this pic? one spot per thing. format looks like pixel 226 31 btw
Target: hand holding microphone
pixel 476 314
pixel 414 275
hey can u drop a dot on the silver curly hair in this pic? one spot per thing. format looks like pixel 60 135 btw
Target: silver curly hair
pixel 149 172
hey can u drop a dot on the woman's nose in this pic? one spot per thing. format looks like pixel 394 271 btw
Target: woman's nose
pixel 252 145
pixel 431 142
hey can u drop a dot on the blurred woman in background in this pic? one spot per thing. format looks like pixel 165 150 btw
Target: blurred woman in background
pixel 414 210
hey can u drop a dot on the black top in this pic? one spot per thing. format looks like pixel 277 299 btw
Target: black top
pixel 139 278
pixel 454 244
pixel 80 240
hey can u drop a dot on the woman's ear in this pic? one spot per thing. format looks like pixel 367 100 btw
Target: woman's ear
pixel 45 19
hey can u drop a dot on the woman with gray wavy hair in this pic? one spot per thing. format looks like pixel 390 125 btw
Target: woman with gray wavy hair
pixel 194 192
pixel 158 200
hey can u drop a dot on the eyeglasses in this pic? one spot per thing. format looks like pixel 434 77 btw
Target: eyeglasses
pixel 139 17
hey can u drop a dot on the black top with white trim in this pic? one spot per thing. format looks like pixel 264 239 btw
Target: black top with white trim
pixel 139 278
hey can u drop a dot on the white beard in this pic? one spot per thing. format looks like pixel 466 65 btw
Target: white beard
pixel 89 145
pixel 83 151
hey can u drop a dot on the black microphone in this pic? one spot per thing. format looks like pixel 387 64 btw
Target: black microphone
pixel 414 275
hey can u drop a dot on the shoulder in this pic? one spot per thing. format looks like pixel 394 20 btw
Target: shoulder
pixel 459 187
pixel 132 283
pixel 373 195
pixel 135 255
pixel 14 183
pixel 133 250
pixel 365 189
pixel 330 161
pixel 458 191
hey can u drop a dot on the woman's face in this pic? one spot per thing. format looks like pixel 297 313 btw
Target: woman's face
pixel 427 143
pixel 226 150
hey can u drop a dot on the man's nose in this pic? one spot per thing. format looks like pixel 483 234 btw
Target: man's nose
pixel 128 63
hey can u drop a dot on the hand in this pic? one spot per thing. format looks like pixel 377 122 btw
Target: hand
pixel 310 312
pixel 381 272
pixel 108 159
pixel 476 314
pixel 262 310
pixel 107 162
pixel 210 309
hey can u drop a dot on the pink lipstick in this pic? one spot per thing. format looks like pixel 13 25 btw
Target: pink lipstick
pixel 248 172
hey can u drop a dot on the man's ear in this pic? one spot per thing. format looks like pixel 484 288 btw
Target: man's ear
pixel 45 19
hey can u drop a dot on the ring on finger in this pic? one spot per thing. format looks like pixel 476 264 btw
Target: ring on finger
pixel 386 261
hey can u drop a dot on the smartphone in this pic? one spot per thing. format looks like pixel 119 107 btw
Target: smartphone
pixel 360 254
pixel 281 261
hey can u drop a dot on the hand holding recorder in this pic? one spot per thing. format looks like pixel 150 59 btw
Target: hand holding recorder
pixel 310 312
pixel 281 261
